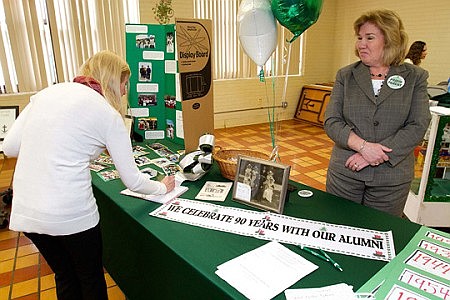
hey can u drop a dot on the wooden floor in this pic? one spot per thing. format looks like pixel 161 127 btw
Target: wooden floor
pixel 25 275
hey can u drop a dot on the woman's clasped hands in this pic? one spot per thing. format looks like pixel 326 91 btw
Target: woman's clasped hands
pixel 372 154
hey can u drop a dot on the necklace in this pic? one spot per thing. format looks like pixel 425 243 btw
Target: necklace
pixel 378 75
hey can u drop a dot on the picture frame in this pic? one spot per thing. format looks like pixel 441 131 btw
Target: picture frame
pixel 261 183
pixel 8 114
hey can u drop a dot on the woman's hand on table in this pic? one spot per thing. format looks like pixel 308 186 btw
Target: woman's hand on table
pixel 169 182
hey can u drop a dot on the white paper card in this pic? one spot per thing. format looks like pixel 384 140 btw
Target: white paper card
pixel 154 135
pixel 170 66
pixel 263 273
pixel 214 191
pixel 134 28
pixel 177 191
pixel 153 55
pixel 147 87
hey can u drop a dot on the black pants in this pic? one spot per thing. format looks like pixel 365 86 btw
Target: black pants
pixel 76 260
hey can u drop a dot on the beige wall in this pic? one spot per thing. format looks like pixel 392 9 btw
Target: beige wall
pixel 428 21
pixel 329 46
pixel 244 101
pixel 20 100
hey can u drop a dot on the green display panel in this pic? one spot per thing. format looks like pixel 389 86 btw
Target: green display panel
pixel 153 97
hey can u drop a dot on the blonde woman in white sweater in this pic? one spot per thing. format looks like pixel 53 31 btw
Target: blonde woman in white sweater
pixel 59 132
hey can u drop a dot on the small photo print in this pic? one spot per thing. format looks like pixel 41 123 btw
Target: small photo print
pixel 151 172
pixel 139 148
pixel 161 162
pixel 144 41
pixel 165 152
pixel 147 100
pixel 137 153
pixel 170 48
pixel 156 146
pixel 170 129
pixel 145 71
pixel 97 167
pixel 109 175
pixel 170 101
pixel 142 161
pixel 171 169
pixel 104 159
pixel 147 123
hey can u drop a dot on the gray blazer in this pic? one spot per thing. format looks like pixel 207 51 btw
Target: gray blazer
pixel 397 118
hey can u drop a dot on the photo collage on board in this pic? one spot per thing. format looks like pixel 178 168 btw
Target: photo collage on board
pixel 152 96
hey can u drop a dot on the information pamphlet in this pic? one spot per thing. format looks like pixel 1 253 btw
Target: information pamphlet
pixel 214 191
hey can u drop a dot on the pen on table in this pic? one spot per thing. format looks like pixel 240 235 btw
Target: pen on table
pixel 311 251
pixel 335 264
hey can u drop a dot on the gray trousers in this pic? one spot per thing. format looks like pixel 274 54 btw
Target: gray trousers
pixel 390 199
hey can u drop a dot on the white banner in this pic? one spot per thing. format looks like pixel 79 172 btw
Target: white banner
pixel 342 239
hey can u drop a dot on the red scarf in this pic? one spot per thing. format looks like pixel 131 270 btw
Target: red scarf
pixel 90 82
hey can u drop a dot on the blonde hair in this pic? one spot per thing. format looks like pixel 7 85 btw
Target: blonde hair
pixel 110 70
pixel 395 36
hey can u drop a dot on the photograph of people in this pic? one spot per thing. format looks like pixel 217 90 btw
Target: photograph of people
pixel 170 129
pixel 377 114
pixel 54 204
pixel 151 41
pixel 268 187
pixel 147 100
pixel 145 71
pixel 142 41
pixel 169 42
pixel 248 174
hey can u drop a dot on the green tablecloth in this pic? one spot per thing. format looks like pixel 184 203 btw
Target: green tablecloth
pixel 152 258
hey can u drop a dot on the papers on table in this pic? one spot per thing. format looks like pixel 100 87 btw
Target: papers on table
pixel 339 291
pixel 177 191
pixel 214 191
pixel 266 271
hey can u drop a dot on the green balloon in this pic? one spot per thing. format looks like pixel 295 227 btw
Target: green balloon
pixel 296 15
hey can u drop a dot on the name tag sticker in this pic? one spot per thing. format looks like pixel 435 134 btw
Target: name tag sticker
pixel 396 82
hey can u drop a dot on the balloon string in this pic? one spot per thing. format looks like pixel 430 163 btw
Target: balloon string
pixel 261 75
pixel 271 117
pixel 287 73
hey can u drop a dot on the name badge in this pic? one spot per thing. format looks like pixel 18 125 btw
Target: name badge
pixel 395 82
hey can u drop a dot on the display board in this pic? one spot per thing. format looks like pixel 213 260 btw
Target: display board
pixel 171 86
pixel 154 100
pixel 194 49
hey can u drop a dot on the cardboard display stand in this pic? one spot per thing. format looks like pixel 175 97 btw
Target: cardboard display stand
pixel 194 50
pixel 171 93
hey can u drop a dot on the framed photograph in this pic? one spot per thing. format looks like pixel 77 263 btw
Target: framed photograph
pixel 8 115
pixel 261 183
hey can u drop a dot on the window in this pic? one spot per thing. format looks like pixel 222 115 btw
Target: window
pixel 230 61
pixel 45 41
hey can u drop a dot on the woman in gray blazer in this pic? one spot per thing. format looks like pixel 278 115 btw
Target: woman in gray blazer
pixel 378 113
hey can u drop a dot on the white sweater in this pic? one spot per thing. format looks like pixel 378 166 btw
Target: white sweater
pixel 55 137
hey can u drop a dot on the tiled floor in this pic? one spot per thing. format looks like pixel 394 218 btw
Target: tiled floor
pixel 304 147
pixel 25 275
